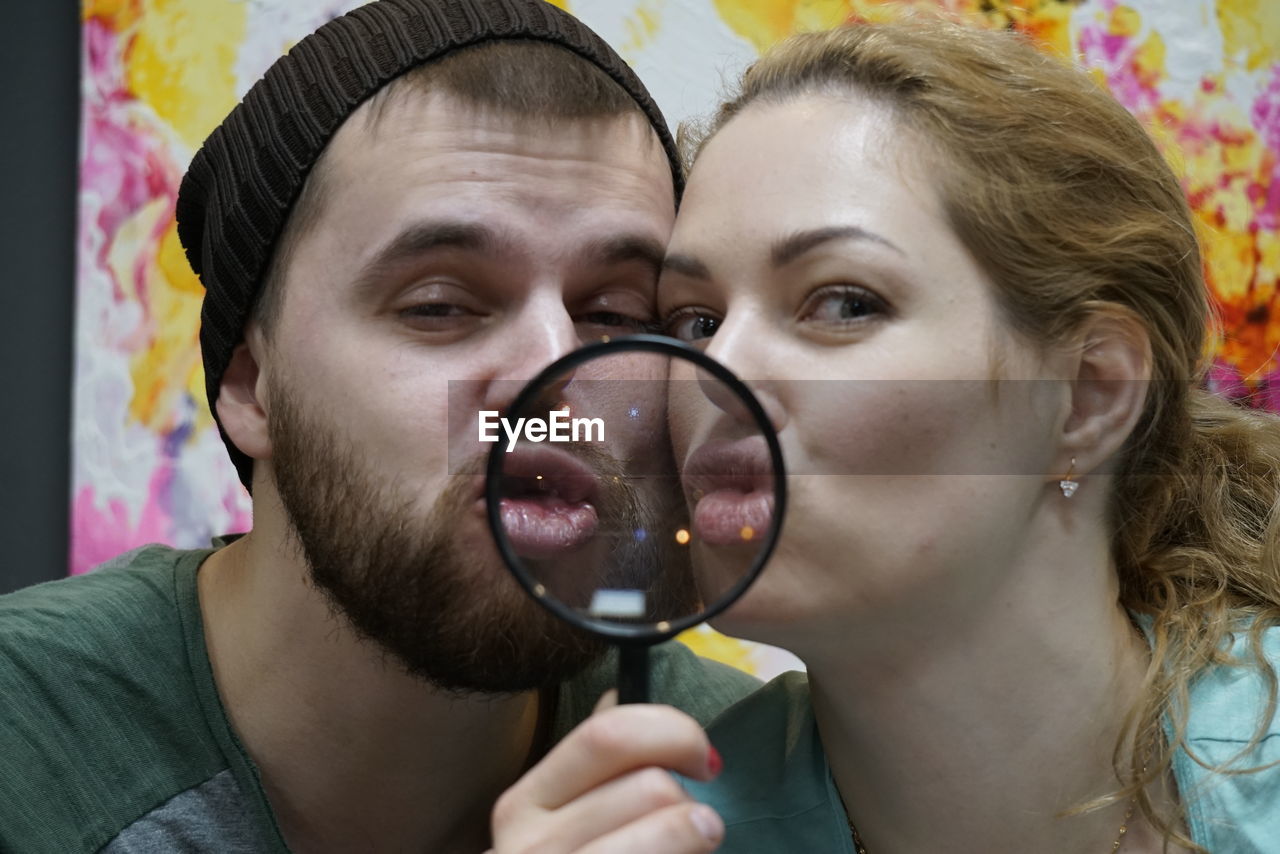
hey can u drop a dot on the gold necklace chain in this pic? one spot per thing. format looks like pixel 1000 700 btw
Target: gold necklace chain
pixel 861 847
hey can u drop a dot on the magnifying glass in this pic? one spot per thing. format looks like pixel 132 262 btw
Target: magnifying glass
pixel 636 489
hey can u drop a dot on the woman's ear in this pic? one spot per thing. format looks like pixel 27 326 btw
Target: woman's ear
pixel 241 398
pixel 1112 370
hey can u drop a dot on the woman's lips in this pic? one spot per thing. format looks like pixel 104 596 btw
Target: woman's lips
pixel 730 484
pixel 549 502
pixel 726 517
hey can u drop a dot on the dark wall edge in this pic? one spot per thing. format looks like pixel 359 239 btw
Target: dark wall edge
pixel 39 108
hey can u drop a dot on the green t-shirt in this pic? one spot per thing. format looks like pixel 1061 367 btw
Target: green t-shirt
pixel 113 737
pixel 777 793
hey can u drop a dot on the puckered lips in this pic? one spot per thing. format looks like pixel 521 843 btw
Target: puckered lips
pixel 730 485
pixel 549 501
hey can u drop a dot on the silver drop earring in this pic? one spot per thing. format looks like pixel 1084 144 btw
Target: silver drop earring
pixel 1067 485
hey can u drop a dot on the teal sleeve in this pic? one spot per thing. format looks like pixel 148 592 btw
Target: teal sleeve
pixel 1236 812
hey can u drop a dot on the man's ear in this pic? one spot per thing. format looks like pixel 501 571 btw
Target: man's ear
pixel 1109 391
pixel 242 398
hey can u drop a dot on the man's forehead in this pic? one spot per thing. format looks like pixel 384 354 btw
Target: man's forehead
pixel 434 174
pixel 416 125
pixel 431 157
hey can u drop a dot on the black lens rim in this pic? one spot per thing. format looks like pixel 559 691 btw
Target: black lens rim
pixel 672 347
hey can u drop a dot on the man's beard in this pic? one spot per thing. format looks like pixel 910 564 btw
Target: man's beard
pixel 450 615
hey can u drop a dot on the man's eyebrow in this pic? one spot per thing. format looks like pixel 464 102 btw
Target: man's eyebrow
pixel 625 248
pixel 423 237
pixel 686 265
pixel 794 245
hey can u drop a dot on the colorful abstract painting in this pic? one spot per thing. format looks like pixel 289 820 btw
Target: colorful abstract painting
pixel 158 75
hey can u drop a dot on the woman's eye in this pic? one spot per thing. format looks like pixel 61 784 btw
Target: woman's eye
pixel 691 325
pixel 616 320
pixel 842 305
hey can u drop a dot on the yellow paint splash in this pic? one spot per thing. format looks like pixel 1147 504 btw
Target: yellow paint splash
pixel 1048 23
pixel 173 263
pixel 1124 21
pixel 1250 30
pixel 182 63
pixel 164 363
pixel 641 27
pixel 1242 263
pixel 1228 253
pixel 708 643
pixel 119 15
pixel 766 22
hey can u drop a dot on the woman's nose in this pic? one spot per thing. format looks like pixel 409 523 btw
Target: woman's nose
pixel 736 345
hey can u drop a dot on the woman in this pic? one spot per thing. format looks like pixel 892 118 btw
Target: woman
pixel 1030 566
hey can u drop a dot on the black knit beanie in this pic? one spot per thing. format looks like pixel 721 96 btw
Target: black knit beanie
pixel 243 182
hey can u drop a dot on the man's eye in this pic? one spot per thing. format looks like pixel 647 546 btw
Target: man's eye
pixel 842 305
pixel 438 317
pixel 691 325
pixel 436 309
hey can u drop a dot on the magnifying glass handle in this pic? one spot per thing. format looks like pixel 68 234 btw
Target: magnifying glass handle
pixel 633 673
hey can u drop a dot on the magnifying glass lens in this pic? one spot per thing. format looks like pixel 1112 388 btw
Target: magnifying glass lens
pixel 636 489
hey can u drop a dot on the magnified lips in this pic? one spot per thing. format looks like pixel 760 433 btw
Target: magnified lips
pixel 549 501
pixel 731 486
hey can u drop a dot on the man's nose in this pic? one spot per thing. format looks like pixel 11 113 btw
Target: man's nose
pixel 736 345
pixel 544 332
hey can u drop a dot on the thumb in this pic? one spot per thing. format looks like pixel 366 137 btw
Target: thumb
pixel 607 700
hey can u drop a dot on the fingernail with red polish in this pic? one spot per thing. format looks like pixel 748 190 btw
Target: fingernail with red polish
pixel 714 763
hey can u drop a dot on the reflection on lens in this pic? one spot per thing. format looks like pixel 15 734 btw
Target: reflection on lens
pixel 619 604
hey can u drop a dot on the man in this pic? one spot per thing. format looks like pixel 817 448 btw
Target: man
pixel 422 191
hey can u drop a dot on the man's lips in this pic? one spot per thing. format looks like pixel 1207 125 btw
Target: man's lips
pixel 549 502
pixel 730 484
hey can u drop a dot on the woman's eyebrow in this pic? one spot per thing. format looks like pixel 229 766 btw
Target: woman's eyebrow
pixel 785 250
pixel 791 247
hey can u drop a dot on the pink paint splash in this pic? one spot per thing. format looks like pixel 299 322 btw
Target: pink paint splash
pixel 1268 395
pixel 1116 56
pixel 101 533
pixel 128 165
pixel 1265 116
pixel 1266 111
pixel 124 164
pixel 1225 381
